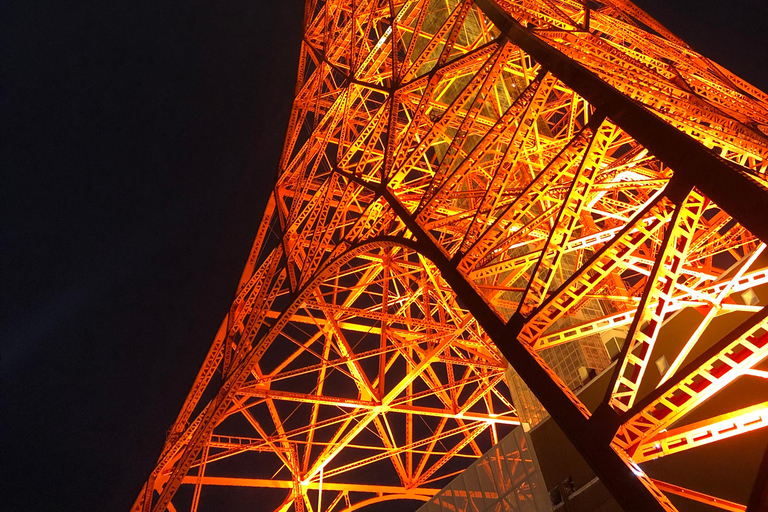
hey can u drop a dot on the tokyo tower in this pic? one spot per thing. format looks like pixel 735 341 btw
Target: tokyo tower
pixel 490 214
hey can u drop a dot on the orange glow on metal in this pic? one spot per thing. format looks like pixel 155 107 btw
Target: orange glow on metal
pixel 700 497
pixel 560 168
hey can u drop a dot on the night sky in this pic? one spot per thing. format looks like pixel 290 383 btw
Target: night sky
pixel 139 143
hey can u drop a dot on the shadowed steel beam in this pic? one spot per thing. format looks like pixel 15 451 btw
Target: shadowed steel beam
pixel 591 438
pixel 742 197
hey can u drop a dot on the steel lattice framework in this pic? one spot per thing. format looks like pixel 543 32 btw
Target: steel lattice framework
pixel 460 182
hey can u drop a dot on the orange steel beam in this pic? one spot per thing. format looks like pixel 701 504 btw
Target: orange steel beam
pixel 700 497
pixel 675 148
pixel 288 484
pixel 704 432
pixel 466 185
pixel 360 404
pixel 631 493
pixel 659 289
pixel 724 362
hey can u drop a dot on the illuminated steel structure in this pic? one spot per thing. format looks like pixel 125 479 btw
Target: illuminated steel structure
pixel 461 180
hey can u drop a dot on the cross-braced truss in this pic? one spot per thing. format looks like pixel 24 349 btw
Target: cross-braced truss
pixel 466 184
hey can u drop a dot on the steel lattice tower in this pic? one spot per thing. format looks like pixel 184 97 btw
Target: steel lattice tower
pixel 467 183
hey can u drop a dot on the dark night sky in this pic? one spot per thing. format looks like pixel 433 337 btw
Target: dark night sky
pixel 139 141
